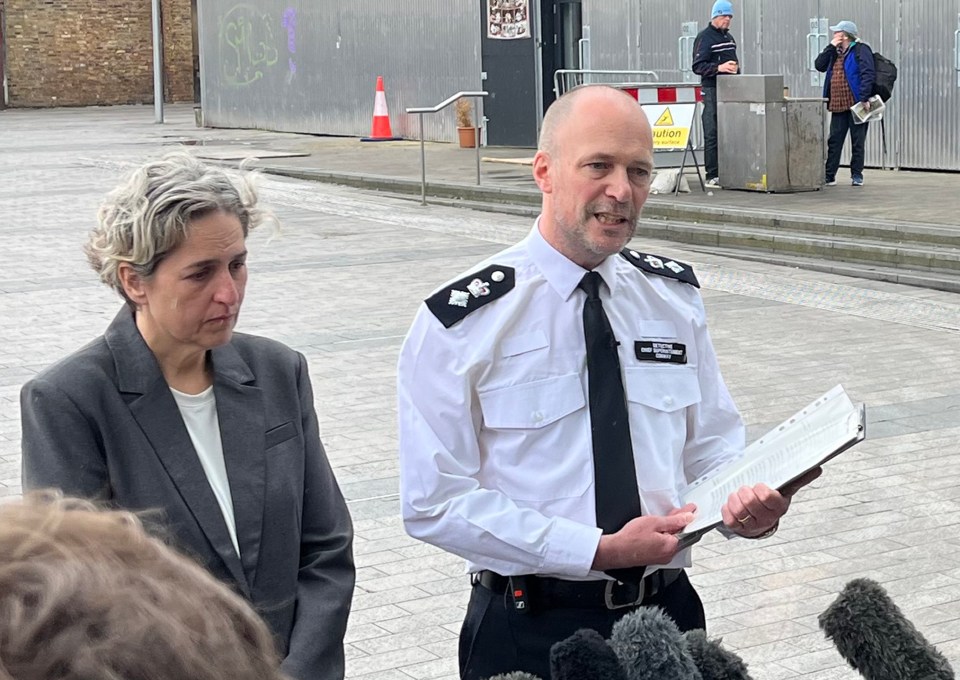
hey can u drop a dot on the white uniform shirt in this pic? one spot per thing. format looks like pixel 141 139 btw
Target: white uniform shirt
pixel 199 413
pixel 496 461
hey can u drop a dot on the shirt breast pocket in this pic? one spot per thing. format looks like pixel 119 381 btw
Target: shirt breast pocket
pixel 529 439
pixel 658 397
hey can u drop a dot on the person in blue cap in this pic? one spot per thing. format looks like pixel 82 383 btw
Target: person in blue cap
pixel 714 54
pixel 849 66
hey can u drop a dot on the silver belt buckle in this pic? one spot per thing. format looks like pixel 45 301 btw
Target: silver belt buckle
pixel 608 595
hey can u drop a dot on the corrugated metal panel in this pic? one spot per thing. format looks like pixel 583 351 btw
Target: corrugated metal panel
pixel 927 86
pixel 613 33
pixel 303 66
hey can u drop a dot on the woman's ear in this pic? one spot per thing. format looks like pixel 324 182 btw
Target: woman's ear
pixel 132 283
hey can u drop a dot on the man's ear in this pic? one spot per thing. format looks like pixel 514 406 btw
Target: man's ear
pixel 132 283
pixel 541 171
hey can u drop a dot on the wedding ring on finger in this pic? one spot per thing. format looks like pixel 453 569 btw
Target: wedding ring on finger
pixel 745 519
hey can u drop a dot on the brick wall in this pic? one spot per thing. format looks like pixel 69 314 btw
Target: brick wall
pixel 87 52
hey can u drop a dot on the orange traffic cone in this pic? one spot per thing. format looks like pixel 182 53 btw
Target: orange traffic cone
pixel 380 132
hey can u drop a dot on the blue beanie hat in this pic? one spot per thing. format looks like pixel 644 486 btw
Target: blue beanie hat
pixel 722 8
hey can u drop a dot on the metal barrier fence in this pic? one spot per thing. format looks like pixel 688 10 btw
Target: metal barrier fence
pixel 567 79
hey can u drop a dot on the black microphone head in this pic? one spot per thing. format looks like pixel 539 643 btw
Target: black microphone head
pixel 875 638
pixel 518 675
pixel 585 655
pixel 650 647
pixel 712 660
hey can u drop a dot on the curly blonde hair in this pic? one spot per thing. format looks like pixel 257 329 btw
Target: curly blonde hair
pixel 149 213
pixel 86 594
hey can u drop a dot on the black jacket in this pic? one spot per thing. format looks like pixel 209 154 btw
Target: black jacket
pixel 712 48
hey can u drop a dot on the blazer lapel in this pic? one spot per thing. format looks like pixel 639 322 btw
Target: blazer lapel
pixel 155 410
pixel 240 410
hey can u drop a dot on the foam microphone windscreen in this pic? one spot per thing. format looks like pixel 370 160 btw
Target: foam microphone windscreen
pixel 712 660
pixel 585 655
pixel 877 640
pixel 518 675
pixel 650 647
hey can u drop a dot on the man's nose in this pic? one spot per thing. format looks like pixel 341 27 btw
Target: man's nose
pixel 618 186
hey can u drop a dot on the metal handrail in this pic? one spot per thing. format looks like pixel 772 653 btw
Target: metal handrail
pixel 560 73
pixel 420 110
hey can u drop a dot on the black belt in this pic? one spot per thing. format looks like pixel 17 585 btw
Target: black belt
pixel 548 592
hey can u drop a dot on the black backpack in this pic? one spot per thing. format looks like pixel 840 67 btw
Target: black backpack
pixel 886 76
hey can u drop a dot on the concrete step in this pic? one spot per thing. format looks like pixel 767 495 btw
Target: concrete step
pixel 852 249
pixel 879 230
pixel 909 277
pixel 910 253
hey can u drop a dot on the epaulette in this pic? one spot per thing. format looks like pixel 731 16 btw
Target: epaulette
pixel 454 302
pixel 652 264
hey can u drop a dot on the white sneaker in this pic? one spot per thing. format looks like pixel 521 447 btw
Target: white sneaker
pixel 830 183
pixel 713 183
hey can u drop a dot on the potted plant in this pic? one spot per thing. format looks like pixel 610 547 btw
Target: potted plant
pixel 466 130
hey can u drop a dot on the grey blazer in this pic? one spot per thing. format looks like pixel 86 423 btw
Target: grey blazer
pixel 103 423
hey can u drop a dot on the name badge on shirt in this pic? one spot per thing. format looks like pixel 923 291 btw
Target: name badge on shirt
pixel 667 352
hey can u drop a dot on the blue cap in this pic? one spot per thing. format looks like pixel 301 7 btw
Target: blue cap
pixel 846 27
pixel 722 8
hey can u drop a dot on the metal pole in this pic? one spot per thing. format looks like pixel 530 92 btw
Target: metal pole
pixel 157 63
pixel 476 132
pixel 423 167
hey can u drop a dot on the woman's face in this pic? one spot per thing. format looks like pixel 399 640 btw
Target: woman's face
pixel 193 298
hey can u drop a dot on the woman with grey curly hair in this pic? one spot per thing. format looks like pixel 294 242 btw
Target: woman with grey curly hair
pixel 171 410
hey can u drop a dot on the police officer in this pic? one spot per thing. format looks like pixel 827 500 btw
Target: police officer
pixel 511 447
pixel 714 54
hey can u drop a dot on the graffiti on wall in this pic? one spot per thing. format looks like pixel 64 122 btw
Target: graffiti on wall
pixel 289 22
pixel 248 44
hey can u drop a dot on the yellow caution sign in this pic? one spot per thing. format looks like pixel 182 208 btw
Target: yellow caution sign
pixel 671 124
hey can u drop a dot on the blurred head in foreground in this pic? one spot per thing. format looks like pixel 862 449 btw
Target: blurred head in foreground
pixel 86 594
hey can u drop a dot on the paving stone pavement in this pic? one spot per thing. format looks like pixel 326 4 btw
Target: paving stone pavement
pixel 341 281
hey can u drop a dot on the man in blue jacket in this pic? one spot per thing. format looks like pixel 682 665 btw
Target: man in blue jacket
pixel 714 54
pixel 848 64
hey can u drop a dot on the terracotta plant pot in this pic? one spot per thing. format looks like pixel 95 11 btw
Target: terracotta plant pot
pixel 468 137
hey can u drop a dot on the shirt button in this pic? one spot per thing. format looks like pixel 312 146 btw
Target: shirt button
pixel 668 401
pixel 538 416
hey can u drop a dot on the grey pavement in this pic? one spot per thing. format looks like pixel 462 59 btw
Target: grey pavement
pixel 341 281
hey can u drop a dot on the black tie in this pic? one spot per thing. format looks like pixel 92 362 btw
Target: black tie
pixel 617 497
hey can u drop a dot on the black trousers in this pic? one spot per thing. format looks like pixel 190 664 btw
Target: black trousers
pixel 840 123
pixel 496 639
pixel 711 157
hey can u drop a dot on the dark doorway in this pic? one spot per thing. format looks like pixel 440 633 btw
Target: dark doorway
pixel 510 76
pixel 562 29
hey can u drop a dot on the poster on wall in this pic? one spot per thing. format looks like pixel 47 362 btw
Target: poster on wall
pixel 508 19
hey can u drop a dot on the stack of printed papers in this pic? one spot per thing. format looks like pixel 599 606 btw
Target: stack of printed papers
pixel 814 435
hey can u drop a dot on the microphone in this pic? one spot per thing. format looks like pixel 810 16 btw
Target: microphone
pixel 518 675
pixel 650 647
pixel 585 655
pixel 713 661
pixel 875 638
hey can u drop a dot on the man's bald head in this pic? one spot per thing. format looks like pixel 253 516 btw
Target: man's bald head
pixel 563 109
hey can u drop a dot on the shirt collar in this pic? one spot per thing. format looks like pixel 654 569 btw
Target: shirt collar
pixel 562 273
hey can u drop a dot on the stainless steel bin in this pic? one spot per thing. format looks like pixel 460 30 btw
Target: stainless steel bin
pixel 768 142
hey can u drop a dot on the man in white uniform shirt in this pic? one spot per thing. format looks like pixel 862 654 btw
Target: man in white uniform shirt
pixel 502 444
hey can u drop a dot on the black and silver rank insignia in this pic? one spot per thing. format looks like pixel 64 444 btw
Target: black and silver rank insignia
pixel 456 301
pixel 663 266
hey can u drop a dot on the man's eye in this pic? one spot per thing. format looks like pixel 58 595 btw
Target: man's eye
pixel 200 275
pixel 599 165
